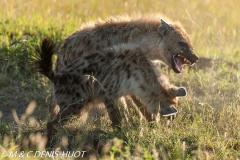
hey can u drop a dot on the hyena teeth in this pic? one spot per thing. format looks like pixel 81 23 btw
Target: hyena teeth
pixel 187 61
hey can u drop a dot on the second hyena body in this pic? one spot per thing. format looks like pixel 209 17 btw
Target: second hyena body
pixel 105 76
pixel 167 42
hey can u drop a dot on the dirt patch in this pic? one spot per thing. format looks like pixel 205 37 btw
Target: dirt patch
pixel 12 114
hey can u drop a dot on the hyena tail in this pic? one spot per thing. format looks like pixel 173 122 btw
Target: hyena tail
pixel 44 58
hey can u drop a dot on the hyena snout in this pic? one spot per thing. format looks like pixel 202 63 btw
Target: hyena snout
pixel 190 56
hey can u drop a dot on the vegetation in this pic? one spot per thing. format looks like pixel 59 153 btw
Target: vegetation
pixel 207 126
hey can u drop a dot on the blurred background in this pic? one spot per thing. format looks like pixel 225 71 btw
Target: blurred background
pixel 213 25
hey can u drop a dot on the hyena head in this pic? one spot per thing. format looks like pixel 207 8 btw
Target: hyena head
pixel 168 107
pixel 177 46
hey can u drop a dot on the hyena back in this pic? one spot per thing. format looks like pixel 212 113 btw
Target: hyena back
pixel 107 75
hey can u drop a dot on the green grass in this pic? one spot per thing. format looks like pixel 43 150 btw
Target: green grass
pixel 207 126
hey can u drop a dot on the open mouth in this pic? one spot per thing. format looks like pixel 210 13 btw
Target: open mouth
pixel 178 62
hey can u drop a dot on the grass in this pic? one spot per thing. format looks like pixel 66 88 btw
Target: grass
pixel 207 126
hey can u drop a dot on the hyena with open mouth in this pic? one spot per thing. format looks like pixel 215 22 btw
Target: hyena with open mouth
pixel 159 40
pixel 105 76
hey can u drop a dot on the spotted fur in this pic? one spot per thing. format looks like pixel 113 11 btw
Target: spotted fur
pixel 159 40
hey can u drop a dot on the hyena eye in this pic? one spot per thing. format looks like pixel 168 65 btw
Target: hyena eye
pixel 182 44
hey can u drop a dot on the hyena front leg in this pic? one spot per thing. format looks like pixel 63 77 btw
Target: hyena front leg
pixel 143 109
pixel 113 111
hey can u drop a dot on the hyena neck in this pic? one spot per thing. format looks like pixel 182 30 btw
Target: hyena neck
pixel 151 53
pixel 147 36
pixel 154 50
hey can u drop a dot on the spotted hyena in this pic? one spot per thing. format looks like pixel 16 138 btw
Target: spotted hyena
pixel 105 76
pixel 159 40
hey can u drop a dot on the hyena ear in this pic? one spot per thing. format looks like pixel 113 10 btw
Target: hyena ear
pixel 181 92
pixel 164 28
